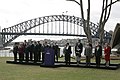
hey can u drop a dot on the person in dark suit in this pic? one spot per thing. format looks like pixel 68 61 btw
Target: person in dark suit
pixel 21 52
pixel 24 47
pixel 35 52
pixel 67 53
pixel 56 51
pixel 15 51
pixel 45 45
pixel 78 51
pixel 39 50
pixel 26 51
pixel 98 54
pixel 31 50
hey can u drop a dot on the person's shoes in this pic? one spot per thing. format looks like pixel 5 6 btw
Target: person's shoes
pixel 107 66
pixel 78 63
pixel 97 65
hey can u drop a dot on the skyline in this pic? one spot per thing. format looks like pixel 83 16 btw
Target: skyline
pixel 13 12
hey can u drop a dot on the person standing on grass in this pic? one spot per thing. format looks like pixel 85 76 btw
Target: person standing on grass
pixel 67 53
pixel 21 52
pixel 45 45
pixel 88 54
pixel 35 51
pixel 78 51
pixel 107 52
pixel 56 51
pixel 31 50
pixel 39 50
pixel 26 51
pixel 98 54
pixel 15 51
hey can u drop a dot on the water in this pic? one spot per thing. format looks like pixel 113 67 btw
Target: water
pixel 73 51
pixel 8 53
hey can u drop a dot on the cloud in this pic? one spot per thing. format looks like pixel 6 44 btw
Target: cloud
pixel 15 11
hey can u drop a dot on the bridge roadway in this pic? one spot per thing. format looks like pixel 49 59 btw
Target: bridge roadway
pixel 64 29
pixel 5 33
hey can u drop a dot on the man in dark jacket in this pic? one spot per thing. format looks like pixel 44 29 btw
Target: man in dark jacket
pixel 56 51
pixel 39 50
pixel 35 51
pixel 31 50
pixel 78 51
pixel 98 54
pixel 67 53
pixel 45 45
pixel 26 51
pixel 15 51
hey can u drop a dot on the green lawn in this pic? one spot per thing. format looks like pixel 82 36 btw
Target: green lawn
pixel 28 72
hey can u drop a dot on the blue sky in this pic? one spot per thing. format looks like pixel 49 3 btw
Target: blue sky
pixel 15 11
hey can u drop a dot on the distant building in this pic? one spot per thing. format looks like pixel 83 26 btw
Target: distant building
pixel 1 41
pixel 115 41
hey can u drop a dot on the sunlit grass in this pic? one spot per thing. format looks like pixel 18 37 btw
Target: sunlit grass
pixel 28 72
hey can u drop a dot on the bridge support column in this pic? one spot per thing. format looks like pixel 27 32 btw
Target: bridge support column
pixel 1 41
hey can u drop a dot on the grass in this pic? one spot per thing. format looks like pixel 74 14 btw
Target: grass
pixel 28 72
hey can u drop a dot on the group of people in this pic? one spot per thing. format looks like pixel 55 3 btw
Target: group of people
pixel 32 51
pixel 89 54
pixel 35 51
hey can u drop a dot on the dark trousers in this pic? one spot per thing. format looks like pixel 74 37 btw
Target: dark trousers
pixel 35 57
pixel 31 55
pixel 39 55
pixel 67 58
pixel 43 56
pixel 15 56
pixel 21 57
pixel 98 60
pixel 56 56
pixel 27 56
pixel 88 60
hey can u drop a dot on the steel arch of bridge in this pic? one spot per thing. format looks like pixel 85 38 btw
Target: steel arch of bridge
pixel 11 33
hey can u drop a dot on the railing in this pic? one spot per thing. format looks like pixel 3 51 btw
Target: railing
pixel 9 53
pixel 6 53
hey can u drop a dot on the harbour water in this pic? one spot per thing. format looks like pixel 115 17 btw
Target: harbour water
pixel 6 53
pixel 9 53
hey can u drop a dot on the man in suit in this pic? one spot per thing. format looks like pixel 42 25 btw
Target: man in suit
pixel 45 45
pixel 98 54
pixel 39 50
pixel 15 51
pixel 78 51
pixel 31 50
pixel 67 53
pixel 56 51
pixel 35 51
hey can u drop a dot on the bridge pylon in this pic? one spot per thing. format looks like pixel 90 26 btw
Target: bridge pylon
pixel 1 44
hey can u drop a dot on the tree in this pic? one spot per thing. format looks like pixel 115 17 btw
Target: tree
pixel 106 9
pixel 85 21
pixel 105 14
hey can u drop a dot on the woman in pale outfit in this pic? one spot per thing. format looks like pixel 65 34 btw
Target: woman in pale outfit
pixel 88 54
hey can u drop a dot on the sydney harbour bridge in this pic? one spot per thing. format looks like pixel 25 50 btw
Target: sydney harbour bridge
pixel 60 25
